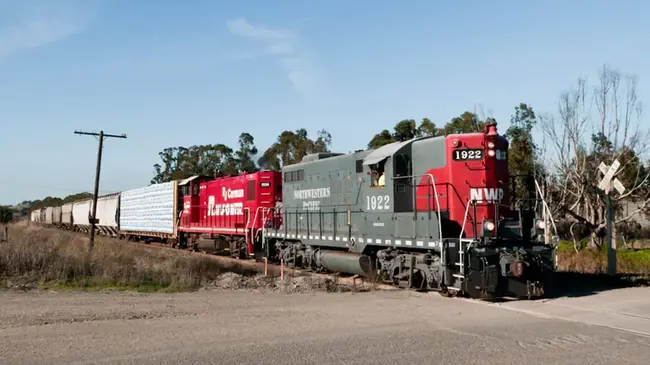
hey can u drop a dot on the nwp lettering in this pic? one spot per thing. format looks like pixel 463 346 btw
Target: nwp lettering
pixel 486 194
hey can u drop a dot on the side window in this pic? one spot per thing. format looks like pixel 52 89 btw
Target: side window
pixel 195 188
pixel 359 166
pixel 378 177
pixel 402 165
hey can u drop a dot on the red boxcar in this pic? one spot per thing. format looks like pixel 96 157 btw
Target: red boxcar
pixel 234 208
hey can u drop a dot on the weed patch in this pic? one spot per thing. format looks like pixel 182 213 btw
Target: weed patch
pixel 44 257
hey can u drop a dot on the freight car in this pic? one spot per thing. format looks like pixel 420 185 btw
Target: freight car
pixel 150 213
pixel 428 213
pixel 56 216
pixel 107 214
pixel 66 216
pixel 35 216
pixel 81 215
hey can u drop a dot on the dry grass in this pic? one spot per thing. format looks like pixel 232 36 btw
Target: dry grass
pixel 37 257
pixel 46 257
pixel 587 261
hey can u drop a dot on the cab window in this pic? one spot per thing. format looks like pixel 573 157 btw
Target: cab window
pixel 377 175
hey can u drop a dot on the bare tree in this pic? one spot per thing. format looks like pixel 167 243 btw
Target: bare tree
pixel 580 140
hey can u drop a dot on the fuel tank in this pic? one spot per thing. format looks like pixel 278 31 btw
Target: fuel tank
pixel 344 262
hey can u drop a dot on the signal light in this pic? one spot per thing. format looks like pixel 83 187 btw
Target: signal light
pixel 540 225
pixel 489 226
pixel 490 144
pixel 455 142
pixel 491 153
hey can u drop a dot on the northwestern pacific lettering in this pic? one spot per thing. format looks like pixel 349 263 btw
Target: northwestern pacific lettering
pixel 311 193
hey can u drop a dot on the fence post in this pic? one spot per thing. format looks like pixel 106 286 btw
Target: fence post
pixel 266 267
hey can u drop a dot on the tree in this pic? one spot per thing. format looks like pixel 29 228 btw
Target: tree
pixel 522 151
pixel 291 147
pixel 402 131
pixel 467 122
pixel 244 155
pixel 6 215
pixel 183 162
pixel 577 153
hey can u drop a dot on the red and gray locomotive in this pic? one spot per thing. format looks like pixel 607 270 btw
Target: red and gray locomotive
pixel 434 213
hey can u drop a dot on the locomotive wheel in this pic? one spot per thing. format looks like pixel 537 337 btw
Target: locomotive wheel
pixel 243 251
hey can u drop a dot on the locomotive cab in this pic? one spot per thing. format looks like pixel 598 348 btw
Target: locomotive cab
pixel 189 198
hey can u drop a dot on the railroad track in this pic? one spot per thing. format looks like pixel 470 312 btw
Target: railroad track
pixel 272 269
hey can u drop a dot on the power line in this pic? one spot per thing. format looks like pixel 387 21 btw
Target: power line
pixel 101 136
pixel 12 182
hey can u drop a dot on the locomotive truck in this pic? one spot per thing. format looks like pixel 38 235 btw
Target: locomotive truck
pixel 429 213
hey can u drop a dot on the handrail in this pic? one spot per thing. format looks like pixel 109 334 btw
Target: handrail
pixel 546 207
pixel 254 221
pixel 248 220
pixel 462 230
pixel 435 193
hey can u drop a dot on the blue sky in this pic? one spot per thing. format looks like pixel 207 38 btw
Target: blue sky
pixel 169 74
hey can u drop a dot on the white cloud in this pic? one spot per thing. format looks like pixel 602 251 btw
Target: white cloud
pixel 284 45
pixel 37 24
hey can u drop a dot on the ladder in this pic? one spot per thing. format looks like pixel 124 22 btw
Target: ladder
pixel 463 244
pixel 462 249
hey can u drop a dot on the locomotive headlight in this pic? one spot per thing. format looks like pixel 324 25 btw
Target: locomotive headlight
pixel 537 233
pixel 491 153
pixel 488 228
pixel 490 144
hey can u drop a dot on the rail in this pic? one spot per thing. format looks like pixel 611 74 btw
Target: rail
pixel 435 194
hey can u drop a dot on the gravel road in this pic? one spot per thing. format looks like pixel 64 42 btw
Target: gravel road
pixel 385 327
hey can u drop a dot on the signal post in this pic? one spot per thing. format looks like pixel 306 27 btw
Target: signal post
pixel 608 181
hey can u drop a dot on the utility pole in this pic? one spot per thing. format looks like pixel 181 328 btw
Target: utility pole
pixel 101 135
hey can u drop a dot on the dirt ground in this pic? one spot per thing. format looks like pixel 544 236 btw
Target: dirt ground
pixel 219 326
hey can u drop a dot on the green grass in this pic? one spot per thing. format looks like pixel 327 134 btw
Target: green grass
pixel 595 261
pixel 92 284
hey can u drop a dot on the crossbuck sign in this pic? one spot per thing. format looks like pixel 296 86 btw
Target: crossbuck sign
pixel 607 182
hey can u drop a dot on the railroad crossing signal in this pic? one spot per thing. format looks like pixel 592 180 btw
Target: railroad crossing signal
pixel 606 185
pixel 607 182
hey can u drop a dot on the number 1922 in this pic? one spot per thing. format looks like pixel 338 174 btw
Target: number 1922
pixel 467 154
pixel 379 202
